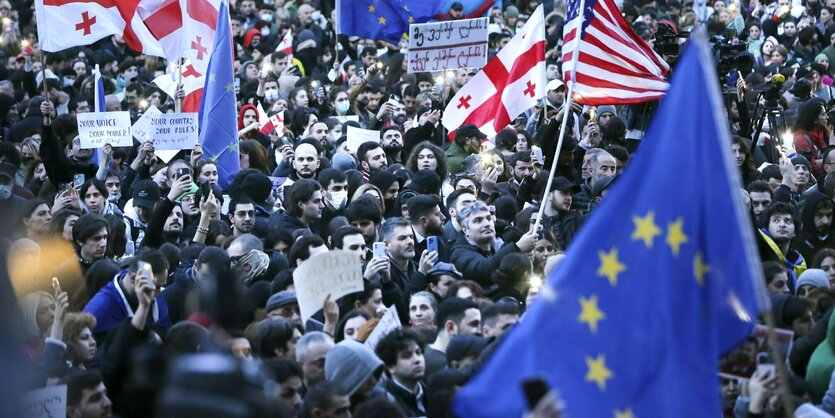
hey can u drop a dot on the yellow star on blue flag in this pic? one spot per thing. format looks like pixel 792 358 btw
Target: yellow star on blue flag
pixel 656 286
pixel 383 20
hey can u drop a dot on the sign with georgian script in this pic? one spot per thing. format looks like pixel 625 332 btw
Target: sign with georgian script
pixel 336 273
pixel 173 131
pixel 445 45
pixel 99 128
pixel 50 402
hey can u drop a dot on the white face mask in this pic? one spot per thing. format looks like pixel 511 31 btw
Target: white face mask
pixel 338 199
pixel 271 95
pixel 265 31
pixel 267 17
pixel 342 107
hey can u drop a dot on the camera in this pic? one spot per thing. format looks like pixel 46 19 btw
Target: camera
pixel 731 56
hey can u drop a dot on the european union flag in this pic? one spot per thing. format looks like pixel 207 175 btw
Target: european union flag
pixel 218 127
pixel 660 282
pixel 384 20
pixel 98 106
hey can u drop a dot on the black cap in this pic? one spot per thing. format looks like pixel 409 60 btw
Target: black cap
pixel 146 194
pixel 7 170
pixel 565 185
pixel 464 345
pixel 470 130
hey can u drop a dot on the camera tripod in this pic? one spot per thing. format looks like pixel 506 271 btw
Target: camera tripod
pixel 776 125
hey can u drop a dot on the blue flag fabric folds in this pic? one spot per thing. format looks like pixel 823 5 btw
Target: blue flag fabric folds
pixel 218 111
pixel 383 20
pixel 661 280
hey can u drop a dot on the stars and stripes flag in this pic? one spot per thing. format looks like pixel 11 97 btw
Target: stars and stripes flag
pixel 614 65
pixel 508 85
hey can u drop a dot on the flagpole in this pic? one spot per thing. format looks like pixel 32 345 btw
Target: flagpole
pixel 47 119
pixel 178 103
pixel 566 113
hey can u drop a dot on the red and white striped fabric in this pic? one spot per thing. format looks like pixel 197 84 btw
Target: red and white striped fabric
pixel 193 81
pixel 286 44
pixel 508 85
pixel 64 24
pixel 270 123
pixel 614 66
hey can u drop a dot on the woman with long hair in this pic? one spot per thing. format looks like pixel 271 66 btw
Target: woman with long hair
pixel 427 156
pixel 811 134
pixel 253 155
pixel 742 156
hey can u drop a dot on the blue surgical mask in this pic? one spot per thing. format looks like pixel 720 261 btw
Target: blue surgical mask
pixel 342 107
pixel 5 191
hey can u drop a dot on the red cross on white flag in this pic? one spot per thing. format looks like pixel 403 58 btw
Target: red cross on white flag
pixel 508 85
pixel 193 81
pixel 64 24
pixel 270 123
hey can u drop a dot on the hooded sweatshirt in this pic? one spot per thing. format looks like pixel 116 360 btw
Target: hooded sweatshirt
pixel 809 242
pixel 819 371
pixel 349 365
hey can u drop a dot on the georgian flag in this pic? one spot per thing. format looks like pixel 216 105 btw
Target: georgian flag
pixel 192 79
pixel 64 24
pixel 508 85
pixel 270 123
pixel 286 44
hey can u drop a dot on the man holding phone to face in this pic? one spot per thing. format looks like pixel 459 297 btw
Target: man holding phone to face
pixel 120 299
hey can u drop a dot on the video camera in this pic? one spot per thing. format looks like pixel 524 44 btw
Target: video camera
pixel 731 55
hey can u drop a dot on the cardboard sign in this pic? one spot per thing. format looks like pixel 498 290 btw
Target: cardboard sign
pixel 49 402
pixel 141 130
pixel 388 323
pixel 357 136
pixel 450 44
pixel 99 128
pixel 336 273
pixel 173 131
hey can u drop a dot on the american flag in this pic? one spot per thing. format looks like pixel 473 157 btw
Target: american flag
pixel 615 66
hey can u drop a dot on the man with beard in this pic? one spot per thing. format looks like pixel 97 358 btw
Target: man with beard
pixel 478 253
pixel 319 131
pixel 241 215
pixel 427 221
pixel 760 193
pixel 778 226
pixel 396 233
pixel 166 223
pixel 305 162
pixel 467 141
pixel 816 231
pixel 371 157
pixel 559 217
pixel 392 142
pixel 522 181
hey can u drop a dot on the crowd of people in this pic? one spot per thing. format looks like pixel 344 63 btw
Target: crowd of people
pixel 149 290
